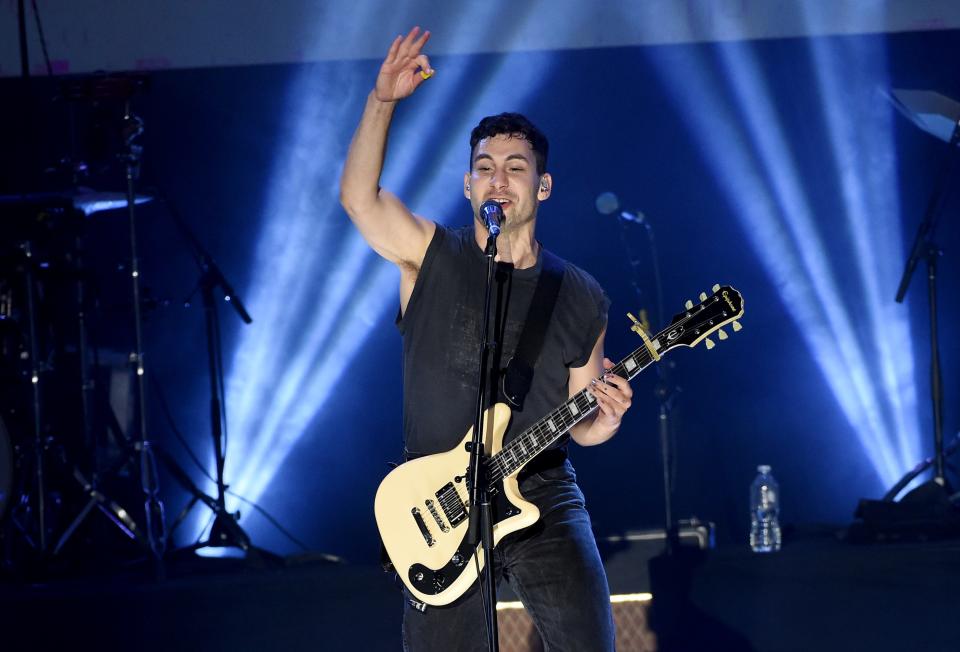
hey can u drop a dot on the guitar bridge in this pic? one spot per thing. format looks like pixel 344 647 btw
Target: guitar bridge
pixel 424 530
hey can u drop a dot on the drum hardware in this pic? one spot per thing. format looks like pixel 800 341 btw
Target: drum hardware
pixel 97 92
pixel 109 507
pixel 6 303
pixel 35 500
pixel 38 444
pixel 153 507
pixel 85 200
pixel 6 468
pixel 137 447
pixel 91 487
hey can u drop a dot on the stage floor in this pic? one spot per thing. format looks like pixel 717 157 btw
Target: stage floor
pixel 816 594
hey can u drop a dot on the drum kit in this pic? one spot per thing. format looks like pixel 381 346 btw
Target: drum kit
pixel 54 413
pixel 65 452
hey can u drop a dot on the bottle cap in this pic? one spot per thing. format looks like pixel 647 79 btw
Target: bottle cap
pixel 764 468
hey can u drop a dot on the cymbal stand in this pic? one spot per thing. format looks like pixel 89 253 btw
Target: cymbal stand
pixel 91 484
pixel 153 506
pixel 27 249
pixel 39 445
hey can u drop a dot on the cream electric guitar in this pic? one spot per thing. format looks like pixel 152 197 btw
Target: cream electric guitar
pixel 421 506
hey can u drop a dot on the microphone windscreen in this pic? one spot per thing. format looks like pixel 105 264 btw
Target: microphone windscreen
pixel 491 209
pixel 607 203
pixel 492 214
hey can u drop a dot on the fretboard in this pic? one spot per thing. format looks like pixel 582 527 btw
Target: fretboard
pixel 538 437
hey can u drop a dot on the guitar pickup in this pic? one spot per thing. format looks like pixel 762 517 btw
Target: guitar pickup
pixel 452 505
pixel 424 530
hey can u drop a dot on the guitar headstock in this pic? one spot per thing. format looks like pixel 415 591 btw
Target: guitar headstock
pixel 697 322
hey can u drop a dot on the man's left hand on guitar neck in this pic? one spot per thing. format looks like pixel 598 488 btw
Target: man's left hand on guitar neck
pixel 612 392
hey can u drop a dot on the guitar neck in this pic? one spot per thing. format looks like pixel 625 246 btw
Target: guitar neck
pixel 538 437
pixel 687 329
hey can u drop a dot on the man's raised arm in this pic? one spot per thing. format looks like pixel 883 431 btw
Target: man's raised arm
pixel 384 221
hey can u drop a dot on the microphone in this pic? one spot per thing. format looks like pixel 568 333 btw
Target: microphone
pixel 492 215
pixel 608 204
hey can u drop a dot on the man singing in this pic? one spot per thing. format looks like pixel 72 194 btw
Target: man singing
pixel 553 565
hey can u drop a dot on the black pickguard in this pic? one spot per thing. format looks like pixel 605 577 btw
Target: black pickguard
pixel 432 582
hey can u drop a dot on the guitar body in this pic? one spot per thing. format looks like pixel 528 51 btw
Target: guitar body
pixel 421 511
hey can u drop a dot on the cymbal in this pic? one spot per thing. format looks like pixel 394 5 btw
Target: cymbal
pixel 85 200
pixel 936 114
pixel 95 202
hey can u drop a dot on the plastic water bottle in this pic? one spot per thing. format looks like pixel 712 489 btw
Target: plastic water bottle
pixel 764 512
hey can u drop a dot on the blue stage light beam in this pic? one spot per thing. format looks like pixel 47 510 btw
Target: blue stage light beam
pixel 765 190
pixel 864 159
pixel 854 374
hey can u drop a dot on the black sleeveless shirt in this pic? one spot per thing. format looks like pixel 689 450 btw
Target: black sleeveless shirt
pixel 441 340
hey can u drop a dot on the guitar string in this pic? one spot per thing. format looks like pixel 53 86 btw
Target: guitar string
pixel 540 435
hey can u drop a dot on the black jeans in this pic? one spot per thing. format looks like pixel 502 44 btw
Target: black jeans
pixel 553 566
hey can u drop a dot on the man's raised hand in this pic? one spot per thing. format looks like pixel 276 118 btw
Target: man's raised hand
pixel 405 67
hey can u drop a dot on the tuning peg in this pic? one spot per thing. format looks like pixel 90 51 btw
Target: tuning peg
pixel 710 343
pixel 722 334
pixel 688 305
pixel 737 327
pixel 703 296
pixel 716 288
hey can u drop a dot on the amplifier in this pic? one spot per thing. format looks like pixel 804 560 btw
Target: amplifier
pixel 625 556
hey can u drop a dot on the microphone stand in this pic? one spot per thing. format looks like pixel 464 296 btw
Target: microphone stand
pixel 480 527
pixel 666 390
pixel 925 248
pixel 226 530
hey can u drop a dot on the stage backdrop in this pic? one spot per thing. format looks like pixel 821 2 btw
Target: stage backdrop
pixel 776 164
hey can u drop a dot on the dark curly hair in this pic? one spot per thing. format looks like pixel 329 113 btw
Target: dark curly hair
pixel 517 126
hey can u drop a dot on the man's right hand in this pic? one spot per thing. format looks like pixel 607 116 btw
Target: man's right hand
pixel 400 73
pixel 386 224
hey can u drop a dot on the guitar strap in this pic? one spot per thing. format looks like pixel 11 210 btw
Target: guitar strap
pixel 519 372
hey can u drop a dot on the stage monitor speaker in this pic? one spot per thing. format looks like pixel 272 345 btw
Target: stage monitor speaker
pixel 625 559
pixel 626 556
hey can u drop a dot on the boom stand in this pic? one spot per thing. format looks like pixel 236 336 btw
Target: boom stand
pixel 225 531
pixel 924 248
pixel 666 390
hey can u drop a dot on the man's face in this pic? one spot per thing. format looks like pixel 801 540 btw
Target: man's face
pixel 505 169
